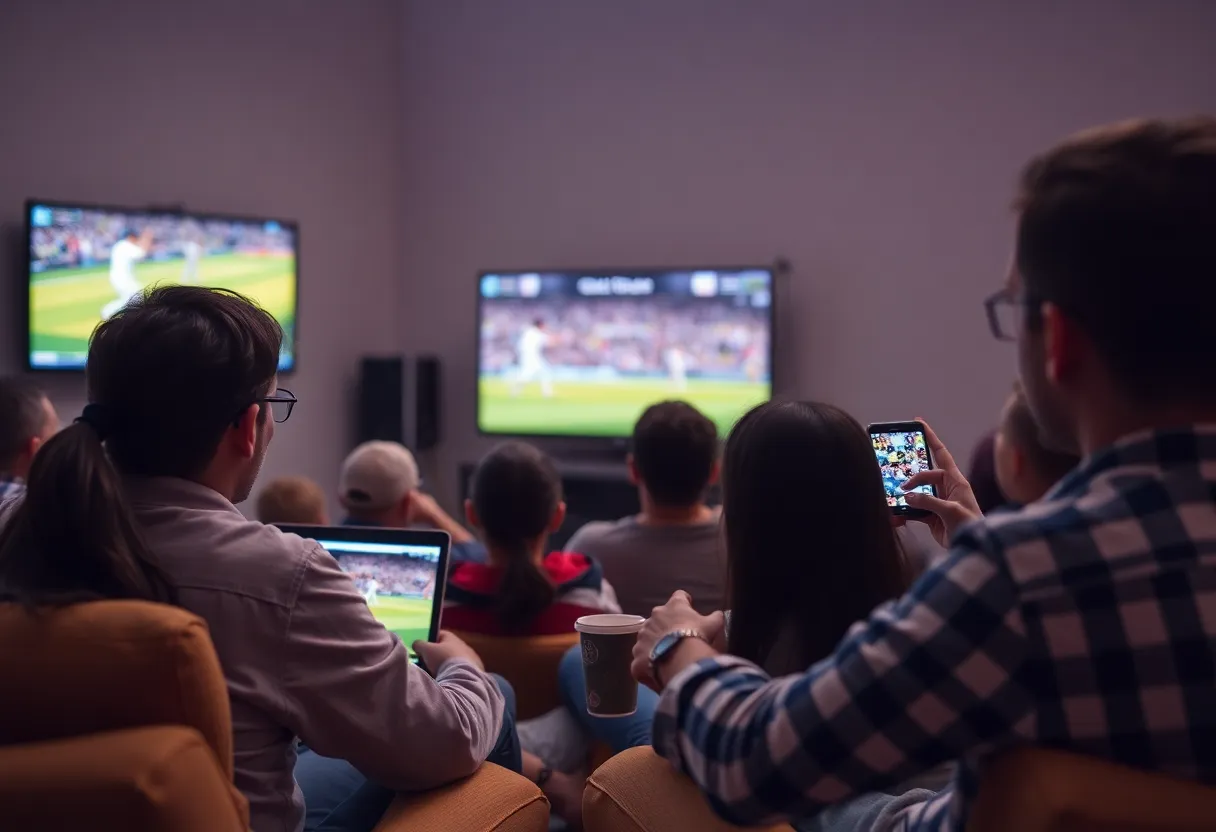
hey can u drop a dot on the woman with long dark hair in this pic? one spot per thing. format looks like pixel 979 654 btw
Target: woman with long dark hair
pixel 72 536
pixel 523 589
pixel 810 546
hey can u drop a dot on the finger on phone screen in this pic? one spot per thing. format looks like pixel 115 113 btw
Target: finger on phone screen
pixel 934 477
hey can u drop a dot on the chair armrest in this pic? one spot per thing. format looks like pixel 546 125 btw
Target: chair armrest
pixel 492 800
pixel 638 791
pixel 157 779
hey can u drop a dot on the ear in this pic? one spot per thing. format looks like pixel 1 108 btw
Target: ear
pixel 1018 460
pixel 1060 343
pixel 242 437
pixel 715 472
pixel 559 517
pixel 32 446
pixel 632 465
pixel 404 506
pixel 470 514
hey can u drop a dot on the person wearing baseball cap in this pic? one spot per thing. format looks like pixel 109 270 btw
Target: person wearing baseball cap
pixel 379 485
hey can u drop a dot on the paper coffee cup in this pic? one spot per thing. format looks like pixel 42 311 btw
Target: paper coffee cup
pixel 607 643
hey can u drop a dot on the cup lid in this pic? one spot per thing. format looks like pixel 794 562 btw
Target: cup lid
pixel 609 623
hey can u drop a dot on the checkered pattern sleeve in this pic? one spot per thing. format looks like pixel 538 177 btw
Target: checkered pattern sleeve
pixel 937 675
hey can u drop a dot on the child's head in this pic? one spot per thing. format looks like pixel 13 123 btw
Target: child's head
pixel 809 540
pixel 1025 469
pixel 516 502
pixel 292 500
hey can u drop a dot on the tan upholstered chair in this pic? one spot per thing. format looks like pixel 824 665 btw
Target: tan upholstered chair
pixel 114 715
pixel 638 791
pixel 529 663
pixel 1036 790
pixel 114 711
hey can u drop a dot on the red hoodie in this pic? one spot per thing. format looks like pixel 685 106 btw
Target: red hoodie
pixel 472 592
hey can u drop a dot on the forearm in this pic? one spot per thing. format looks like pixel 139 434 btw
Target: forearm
pixel 445 522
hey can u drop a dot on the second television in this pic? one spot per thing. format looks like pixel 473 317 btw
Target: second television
pixel 86 262
pixel 582 353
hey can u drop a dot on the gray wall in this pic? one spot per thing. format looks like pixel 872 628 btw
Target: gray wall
pixel 875 144
pixel 280 107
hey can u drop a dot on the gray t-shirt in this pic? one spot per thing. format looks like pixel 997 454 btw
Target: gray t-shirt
pixel 645 564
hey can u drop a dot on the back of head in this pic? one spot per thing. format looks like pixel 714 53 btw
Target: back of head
pixel 376 476
pixel 675 448
pixel 1117 228
pixel 292 500
pixel 810 547
pixel 167 375
pixel 1044 467
pixel 174 369
pixel 23 417
pixel 516 492
pixel 981 473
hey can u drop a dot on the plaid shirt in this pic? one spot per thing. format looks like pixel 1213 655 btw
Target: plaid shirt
pixel 10 488
pixel 1084 622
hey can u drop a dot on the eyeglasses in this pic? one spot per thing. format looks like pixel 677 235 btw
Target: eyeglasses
pixel 281 404
pixel 1004 309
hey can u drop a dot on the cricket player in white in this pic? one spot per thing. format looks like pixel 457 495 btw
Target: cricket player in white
pixel 124 254
pixel 191 252
pixel 373 586
pixel 677 367
pixel 532 364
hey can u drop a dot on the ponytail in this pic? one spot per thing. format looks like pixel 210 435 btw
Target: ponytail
pixel 73 537
pixel 516 492
pixel 524 593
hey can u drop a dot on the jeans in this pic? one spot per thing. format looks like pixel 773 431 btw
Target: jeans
pixel 619 732
pixel 864 812
pixel 337 798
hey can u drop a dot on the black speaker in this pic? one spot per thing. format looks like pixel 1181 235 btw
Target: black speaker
pixel 382 399
pixel 426 403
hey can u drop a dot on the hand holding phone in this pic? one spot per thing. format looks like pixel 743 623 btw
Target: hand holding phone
pixel 940 496
pixel 902 451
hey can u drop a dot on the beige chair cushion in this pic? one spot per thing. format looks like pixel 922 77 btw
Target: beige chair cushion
pixel 492 799
pixel 109 665
pixel 1036 790
pixel 638 791
pixel 152 779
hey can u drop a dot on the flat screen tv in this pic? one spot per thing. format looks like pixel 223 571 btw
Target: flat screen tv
pixel 582 353
pixel 86 261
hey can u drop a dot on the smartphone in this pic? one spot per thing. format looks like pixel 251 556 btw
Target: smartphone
pixel 901 450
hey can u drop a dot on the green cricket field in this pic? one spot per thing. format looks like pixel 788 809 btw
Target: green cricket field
pixel 589 408
pixel 66 304
pixel 409 618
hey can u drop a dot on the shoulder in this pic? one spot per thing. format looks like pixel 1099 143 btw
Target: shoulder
pixel 597 533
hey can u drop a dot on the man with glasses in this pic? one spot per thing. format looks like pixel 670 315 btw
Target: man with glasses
pixel 1086 621
pixel 183 388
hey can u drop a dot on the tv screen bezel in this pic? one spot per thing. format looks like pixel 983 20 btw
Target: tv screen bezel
pixel 151 211
pixel 773 272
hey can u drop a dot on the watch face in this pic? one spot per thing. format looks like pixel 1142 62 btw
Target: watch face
pixel 663 645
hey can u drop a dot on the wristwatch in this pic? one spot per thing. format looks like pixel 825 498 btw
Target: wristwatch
pixel 665 647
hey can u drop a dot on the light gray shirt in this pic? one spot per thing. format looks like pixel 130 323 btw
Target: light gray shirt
pixel 303 657
pixel 645 563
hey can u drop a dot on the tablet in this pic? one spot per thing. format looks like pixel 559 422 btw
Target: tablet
pixel 401 573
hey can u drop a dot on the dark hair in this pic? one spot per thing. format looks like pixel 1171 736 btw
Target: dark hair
pixel 809 543
pixel 22 417
pixel 174 369
pixel 981 473
pixel 1118 228
pixel 166 376
pixel 515 491
pixel 675 447
pixel 1022 430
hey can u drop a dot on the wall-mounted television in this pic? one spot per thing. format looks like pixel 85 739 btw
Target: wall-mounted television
pixel 582 353
pixel 86 261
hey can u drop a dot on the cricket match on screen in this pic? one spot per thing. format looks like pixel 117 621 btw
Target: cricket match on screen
pixel 87 263
pixel 578 354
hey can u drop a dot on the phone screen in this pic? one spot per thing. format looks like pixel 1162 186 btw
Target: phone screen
pixel 901 454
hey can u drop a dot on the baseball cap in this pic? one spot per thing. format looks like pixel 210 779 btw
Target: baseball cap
pixel 376 475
